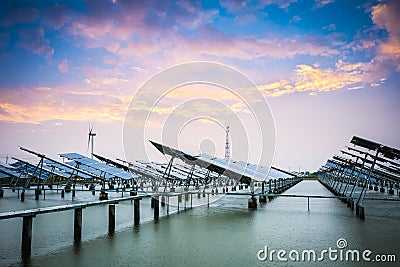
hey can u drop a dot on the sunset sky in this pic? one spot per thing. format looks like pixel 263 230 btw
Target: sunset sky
pixel 329 69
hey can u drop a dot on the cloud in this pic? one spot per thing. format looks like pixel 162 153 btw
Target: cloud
pixel 245 19
pixel 57 16
pixel 233 6
pixel 386 16
pixel 322 3
pixel 20 16
pixel 295 19
pixel 27 105
pixel 63 66
pixel 281 3
pixel 313 79
pixel 32 40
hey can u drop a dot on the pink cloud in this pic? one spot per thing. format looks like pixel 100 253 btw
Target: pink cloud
pixel 322 3
pixel 233 6
pixel 245 19
pixel 386 16
pixel 63 66
pixel 281 3
pixel 314 79
pixel 32 40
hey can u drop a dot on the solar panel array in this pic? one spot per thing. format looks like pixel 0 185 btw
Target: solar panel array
pixel 96 168
pixel 371 161
pixel 10 171
pixel 42 172
pixel 238 170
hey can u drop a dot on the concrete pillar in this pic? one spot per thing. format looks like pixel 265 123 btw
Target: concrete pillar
pixel 136 211
pixel 362 212
pixel 167 205
pixel 111 218
pixel 162 201
pixel 62 193
pixel 37 193
pixel 156 208
pixel 26 244
pixel 77 225
pixel 103 195
pixel 252 203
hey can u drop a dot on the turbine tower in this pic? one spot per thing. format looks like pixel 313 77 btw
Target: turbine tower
pixel 91 138
pixel 227 145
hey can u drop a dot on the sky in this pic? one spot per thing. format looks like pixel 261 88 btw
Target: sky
pixel 327 70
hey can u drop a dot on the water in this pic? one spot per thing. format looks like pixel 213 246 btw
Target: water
pixel 225 234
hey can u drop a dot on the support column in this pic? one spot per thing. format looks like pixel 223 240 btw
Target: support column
pixel 362 212
pixel 136 212
pixel 37 193
pixel 156 207
pixel 77 225
pixel 26 244
pixel 163 201
pixel 252 203
pixel 111 218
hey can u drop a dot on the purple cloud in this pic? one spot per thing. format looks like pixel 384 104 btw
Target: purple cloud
pixel 33 40
pixel 20 16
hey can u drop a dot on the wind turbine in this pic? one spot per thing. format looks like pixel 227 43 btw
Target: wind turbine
pixel 91 137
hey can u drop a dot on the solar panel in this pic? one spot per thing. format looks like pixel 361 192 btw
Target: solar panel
pixel 370 145
pixel 72 156
pixel 237 170
pixel 96 167
pixel 2 175
pixel 10 170
pixel 32 170
pixel 66 169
